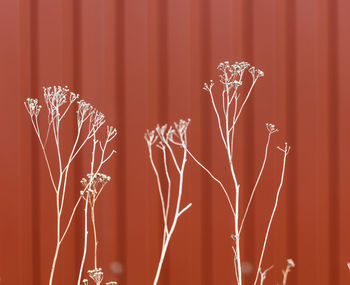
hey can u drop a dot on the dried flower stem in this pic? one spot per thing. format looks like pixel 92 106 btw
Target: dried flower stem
pixel 231 79
pixel 290 265
pixel 91 193
pixel 166 143
pixel 56 97
pixel 285 151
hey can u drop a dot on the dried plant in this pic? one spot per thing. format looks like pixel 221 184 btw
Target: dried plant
pixel 290 265
pixel 94 184
pixel 231 108
pixel 58 101
pixel 168 140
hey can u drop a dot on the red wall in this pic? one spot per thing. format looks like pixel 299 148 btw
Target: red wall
pixel 144 62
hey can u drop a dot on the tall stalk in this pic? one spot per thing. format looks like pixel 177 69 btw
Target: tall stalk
pixel 58 101
pixel 231 78
pixel 165 139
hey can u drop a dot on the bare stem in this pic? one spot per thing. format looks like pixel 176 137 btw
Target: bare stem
pixel 286 150
pixel 85 238
pixel 257 181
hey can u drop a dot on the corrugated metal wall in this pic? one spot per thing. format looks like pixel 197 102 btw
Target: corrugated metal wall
pixel 144 61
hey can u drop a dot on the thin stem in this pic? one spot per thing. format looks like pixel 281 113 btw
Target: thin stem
pixel 158 184
pixel 215 179
pixel 273 213
pixel 92 210
pixel 217 116
pixel 85 239
pixel 246 99
pixel 257 181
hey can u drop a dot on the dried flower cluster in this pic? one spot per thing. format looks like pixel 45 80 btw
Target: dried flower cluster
pixel 166 138
pixel 96 275
pixel 231 78
pixel 58 101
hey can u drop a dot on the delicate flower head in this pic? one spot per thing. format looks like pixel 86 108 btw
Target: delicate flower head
pixel 290 262
pixel 84 111
pixel 96 120
pixel 95 181
pixel 96 275
pixel 256 73
pixel 232 74
pixel 32 107
pixel 111 283
pixel 209 86
pixel 161 130
pixel 271 128
pixel 181 127
pixel 55 97
pixel 85 281
pixel 150 137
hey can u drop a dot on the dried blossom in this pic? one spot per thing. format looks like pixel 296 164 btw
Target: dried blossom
pixel 32 107
pixel 271 128
pixel 85 110
pixel 95 181
pixel 96 275
pixel 150 137
pixel 290 262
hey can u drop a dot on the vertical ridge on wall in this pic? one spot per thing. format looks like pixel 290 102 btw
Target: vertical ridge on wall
pixel 204 58
pixel 77 83
pixel 121 126
pixel 333 136
pixel 33 12
pixel 205 37
pixel 291 174
pixel 341 47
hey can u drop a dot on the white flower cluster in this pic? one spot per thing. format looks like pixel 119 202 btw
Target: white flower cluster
pixel 232 74
pixel 111 131
pixel 271 128
pixel 175 134
pixel 290 262
pixel 256 73
pixel 32 107
pixel 96 120
pixel 56 96
pixel 95 180
pixel 84 111
pixel 96 275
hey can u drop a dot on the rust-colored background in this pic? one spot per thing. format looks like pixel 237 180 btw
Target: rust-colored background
pixel 144 61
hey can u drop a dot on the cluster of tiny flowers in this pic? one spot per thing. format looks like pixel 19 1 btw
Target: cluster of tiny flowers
pixel 111 283
pixel 56 96
pixel 96 120
pixel 207 86
pixel 271 128
pixel 32 107
pixel 150 137
pixel 256 73
pixel 290 262
pixel 84 111
pixel 96 275
pixel 182 126
pixel 95 180
pixel 232 74
pixel 179 131
pixel 111 131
